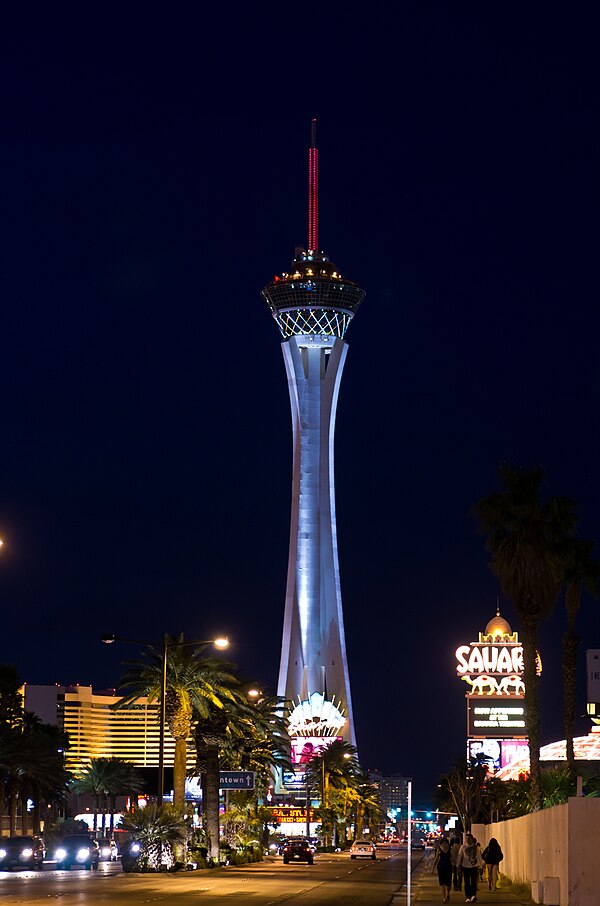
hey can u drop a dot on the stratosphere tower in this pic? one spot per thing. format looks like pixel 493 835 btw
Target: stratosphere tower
pixel 313 305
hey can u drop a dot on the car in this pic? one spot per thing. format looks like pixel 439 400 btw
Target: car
pixel 109 851
pixel 21 852
pixel 298 851
pixel 77 851
pixel 363 849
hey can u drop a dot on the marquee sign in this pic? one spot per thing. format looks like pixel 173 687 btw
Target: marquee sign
pixel 494 718
pixel 290 814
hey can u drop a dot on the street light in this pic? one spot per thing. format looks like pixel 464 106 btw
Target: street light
pixel 221 643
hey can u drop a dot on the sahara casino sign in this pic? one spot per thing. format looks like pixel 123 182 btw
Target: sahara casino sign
pixel 494 664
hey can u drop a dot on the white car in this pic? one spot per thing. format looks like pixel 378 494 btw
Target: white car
pixel 363 849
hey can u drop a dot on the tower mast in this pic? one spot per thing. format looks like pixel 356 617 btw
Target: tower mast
pixel 313 190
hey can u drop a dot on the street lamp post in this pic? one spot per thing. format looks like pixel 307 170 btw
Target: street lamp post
pixel 221 643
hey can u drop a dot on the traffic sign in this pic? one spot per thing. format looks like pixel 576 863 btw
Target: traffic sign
pixel 236 780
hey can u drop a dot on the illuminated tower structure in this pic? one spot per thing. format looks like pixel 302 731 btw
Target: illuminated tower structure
pixel 313 305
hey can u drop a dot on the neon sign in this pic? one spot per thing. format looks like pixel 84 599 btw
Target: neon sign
pixel 316 716
pixel 490 659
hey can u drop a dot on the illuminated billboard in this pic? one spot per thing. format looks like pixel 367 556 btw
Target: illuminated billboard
pixel 294 780
pixel 495 717
pixel 488 750
pixel 513 750
pixel 305 747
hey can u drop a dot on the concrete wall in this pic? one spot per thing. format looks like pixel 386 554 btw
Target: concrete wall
pixel 561 842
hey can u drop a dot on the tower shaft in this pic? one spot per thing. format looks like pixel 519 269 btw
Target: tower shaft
pixel 313 657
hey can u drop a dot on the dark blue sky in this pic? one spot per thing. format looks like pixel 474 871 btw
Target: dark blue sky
pixel 153 180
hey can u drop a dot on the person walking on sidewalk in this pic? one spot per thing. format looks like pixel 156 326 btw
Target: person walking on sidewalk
pixel 443 863
pixel 492 856
pixel 456 870
pixel 467 859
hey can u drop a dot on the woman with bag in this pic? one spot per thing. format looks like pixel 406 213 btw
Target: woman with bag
pixel 492 856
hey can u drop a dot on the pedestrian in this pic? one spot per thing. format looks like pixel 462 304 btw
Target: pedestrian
pixel 443 863
pixel 492 856
pixel 468 860
pixel 456 869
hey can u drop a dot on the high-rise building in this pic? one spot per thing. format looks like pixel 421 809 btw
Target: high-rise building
pixel 313 305
pixel 97 730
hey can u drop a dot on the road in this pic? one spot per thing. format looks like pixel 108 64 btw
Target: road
pixel 332 881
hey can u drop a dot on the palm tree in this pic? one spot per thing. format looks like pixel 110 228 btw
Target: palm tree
pixel 211 733
pixel 366 806
pixel 334 766
pixel 105 779
pixel 44 777
pixel 93 781
pixel 257 739
pixel 194 685
pixel 581 571
pixel 527 538
pixel 158 830
pixel 11 698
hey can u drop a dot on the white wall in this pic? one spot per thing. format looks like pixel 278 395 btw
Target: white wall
pixel 561 842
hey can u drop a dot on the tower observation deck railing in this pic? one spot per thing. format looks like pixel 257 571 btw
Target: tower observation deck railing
pixel 314 298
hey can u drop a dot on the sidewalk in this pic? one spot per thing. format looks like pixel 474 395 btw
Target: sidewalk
pixel 425 890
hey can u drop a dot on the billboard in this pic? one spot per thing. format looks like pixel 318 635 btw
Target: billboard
pixel 304 747
pixel 498 753
pixel 513 750
pixel 488 749
pixel 294 780
pixel 495 717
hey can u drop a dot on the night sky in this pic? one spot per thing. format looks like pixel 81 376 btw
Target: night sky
pixel 153 180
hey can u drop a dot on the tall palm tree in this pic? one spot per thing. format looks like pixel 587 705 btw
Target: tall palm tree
pixel 527 538
pixel 44 777
pixel 365 802
pixel 211 733
pixel 334 766
pixel 581 571
pixel 195 684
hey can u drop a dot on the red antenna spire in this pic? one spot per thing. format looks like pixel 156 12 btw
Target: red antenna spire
pixel 313 189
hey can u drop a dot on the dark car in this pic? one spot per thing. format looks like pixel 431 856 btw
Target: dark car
pixel 21 852
pixel 76 851
pixel 298 851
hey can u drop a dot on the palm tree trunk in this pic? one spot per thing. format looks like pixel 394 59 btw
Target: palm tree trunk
pixel 532 706
pixel 12 810
pixel 570 649
pixel 37 812
pixel 179 772
pixel 210 805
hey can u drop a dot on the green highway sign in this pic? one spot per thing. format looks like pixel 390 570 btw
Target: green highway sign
pixel 236 780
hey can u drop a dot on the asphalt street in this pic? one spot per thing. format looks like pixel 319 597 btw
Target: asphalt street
pixel 333 880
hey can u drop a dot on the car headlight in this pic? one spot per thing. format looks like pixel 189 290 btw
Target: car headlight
pixel 26 853
pixel 2 854
pixel 135 848
pixel 82 854
pixel 106 850
pixel 61 854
